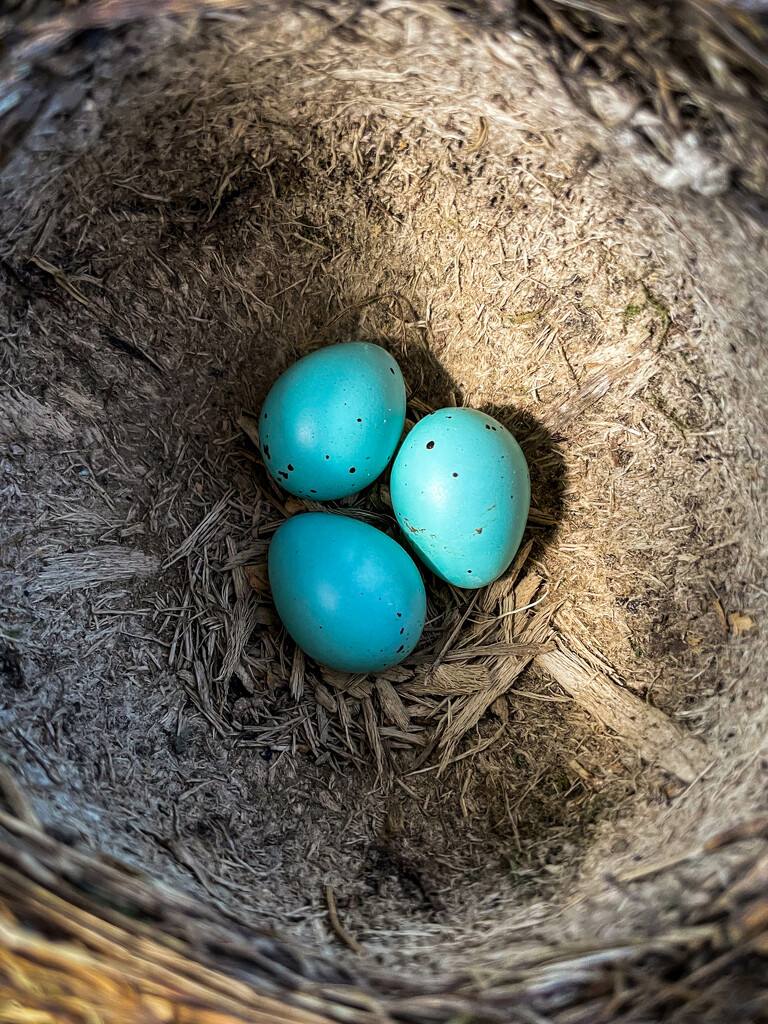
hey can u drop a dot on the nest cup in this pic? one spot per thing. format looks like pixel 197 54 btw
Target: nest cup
pixel 550 811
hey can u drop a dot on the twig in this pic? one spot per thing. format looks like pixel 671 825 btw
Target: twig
pixel 755 829
pixel 646 870
pixel 339 930
pixel 653 735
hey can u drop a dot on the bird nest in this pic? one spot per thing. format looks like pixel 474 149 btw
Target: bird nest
pixel 549 812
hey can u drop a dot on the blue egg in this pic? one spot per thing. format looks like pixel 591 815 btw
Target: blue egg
pixel 331 423
pixel 461 493
pixel 348 594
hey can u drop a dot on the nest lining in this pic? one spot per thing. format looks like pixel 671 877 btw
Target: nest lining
pixel 282 191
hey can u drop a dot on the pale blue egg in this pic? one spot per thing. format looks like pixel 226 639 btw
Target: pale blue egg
pixel 350 596
pixel 331 423
pixel 461 493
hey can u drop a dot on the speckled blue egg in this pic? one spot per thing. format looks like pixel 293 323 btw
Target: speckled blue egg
pixel 461 493
pixel 350 596
pixel 331 423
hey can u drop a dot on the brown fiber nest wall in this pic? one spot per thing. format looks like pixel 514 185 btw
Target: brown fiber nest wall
pixel 553 211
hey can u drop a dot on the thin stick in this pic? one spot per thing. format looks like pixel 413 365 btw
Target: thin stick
pixel 646 870
pixel 339 930
pixel 646 729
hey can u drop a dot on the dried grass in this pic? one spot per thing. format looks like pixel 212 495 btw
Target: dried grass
pixel 109 958
pixel 270 184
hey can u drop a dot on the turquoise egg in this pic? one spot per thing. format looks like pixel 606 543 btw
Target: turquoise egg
pixel 348 594
pixel 461 493
pixel 331 423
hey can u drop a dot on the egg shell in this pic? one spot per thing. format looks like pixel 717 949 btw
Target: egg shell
pixel 350 596
pixel 461 492
pixel 332 421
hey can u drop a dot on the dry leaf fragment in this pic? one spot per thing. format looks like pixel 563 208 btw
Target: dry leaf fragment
pixel 361 688
pixel 397 674
pixel 257 577
pixel 716 604
pixel 325 698
pixel 391 704
pixel 249 424
pixel 741 623
pixel 500 708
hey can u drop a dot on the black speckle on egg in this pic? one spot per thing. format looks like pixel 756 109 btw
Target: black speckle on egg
pixel 290 468
pixel 469 570
pixel 430 445
pixel 352 470
pixel 313 492
pixel 493 428
pixel 455 474
pixel 402 631
pixel 487 426
pixel 327 456
pixel 282 474
pixel 400 648
pixel 399 615
pixel 391 369
pixel 359 420
pixel 265 415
